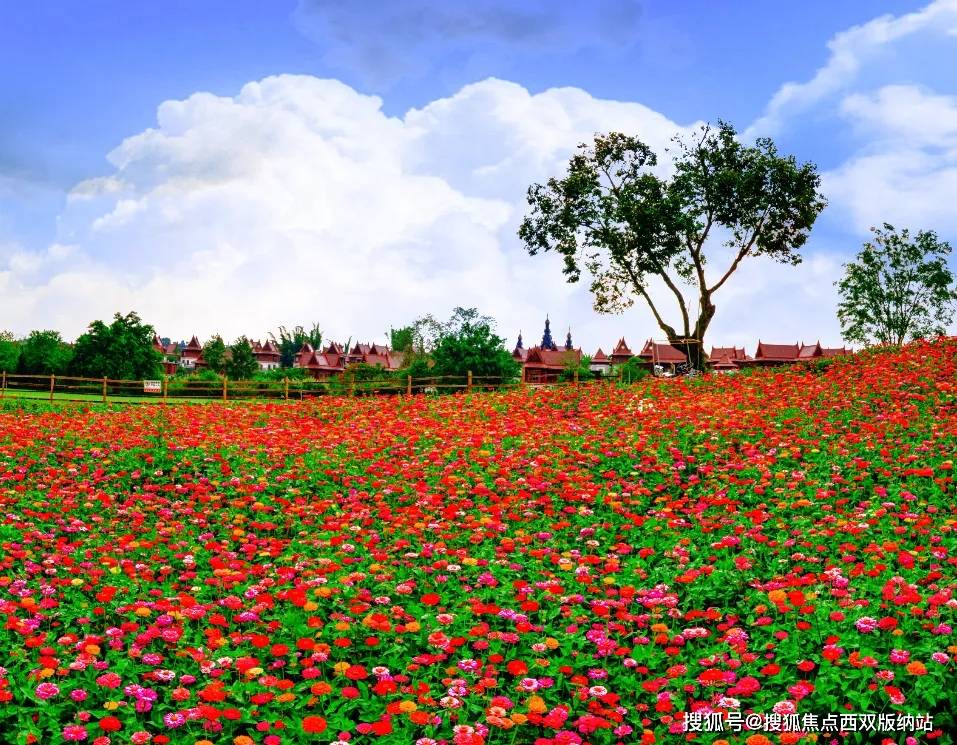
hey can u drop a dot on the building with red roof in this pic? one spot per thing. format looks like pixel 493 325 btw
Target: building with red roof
pixel 621 353
pixel 267 355
pixel 191 356
pixel 546 362
pixel 662 355
pixel 600 363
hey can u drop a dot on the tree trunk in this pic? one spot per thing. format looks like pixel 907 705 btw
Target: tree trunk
pixel 693 344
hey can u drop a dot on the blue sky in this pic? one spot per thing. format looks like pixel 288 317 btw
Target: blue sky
pixel 78 79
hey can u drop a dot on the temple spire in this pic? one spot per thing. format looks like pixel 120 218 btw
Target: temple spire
pixel 568 340
pixel 547 342
pixel 519 344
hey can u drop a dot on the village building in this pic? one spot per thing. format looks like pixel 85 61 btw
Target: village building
pixel 773 355
pixel 546 362
pixel 621 353
pixel 600 363
pixel 335 358
pixel 726 359
pixel 191 356
pixel 267 355
pixel 663 356
pixel 170 354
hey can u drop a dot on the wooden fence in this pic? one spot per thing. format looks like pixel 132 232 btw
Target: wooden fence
pixel 172 389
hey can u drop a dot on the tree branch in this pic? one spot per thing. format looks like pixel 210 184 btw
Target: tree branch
pixel 741 254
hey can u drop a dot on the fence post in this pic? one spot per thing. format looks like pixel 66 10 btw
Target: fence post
pixel 3 386
pixel 352 387
pixel 52 383
pixel 104 389
pixel 468 385
pixel 224 387
pixel 576 377
pixel 165 387
pixel 408 385
pixel 285 390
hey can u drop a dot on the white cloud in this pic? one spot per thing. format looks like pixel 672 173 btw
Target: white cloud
pixel 906 174
pixel 850 52
pixel 299 200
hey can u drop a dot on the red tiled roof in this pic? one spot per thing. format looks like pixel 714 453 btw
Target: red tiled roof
pixel 194 345
pixel 662 353
pixel 777 352
pixel 724 363
pixel 810 351
pixel 556 359
pixel 317 361
pixel 732 353
pixel 621 349
pixel 376 359
pixel 834 351
pixel 599 356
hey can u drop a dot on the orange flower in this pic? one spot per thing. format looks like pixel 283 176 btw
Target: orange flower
pixel 916 668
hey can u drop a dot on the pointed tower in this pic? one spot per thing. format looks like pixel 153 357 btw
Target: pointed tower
pixel 568 340
pixel 518 345
pixel 547 342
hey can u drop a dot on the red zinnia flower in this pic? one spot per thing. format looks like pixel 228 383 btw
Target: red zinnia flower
pixel 313 725
pixel 110 724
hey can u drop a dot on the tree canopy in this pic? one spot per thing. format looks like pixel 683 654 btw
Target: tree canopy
pixel 241 363
pixel 897 288
pixel 214 354
pixel 467 342
pixel 401 339
pixel 9 352
pixel 615 217
pixel 45 353
pixel 122 350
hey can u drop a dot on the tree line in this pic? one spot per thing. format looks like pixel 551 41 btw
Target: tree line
pixel 124 350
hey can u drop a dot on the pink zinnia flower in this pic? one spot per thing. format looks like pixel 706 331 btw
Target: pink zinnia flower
pixel 865 624
pixel 74 732
pixel 46 690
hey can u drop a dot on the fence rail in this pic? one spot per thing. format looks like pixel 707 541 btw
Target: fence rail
pixel 172 389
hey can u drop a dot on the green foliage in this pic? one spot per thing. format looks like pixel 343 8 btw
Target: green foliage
pixel 291 341
pixel 582 368
pixel 632 371
pixel 205 376
pixel 613 217
pixel 45 353
pixel 241 363
pixel 897 288
pixel 468 343
pixel 121 351
pixel 9 352
pixel 214 354
pixel 401 339
pixel 280 374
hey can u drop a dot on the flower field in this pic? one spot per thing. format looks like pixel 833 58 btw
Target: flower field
pixel 556 566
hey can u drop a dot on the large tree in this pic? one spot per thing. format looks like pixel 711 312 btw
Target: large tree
pixel 214 355
pixel 121 351
pixel 44 353
pixel 9 352
pixel 241 363
pixel 467 342
pixel 614 216
pixel 898 288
